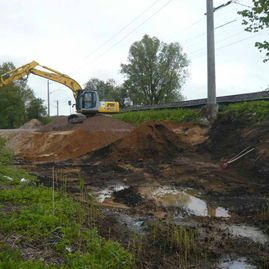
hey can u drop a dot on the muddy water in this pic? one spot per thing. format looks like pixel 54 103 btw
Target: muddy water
pixel 106 193
pixel 168 196
pixel 236 264
pixel 247 232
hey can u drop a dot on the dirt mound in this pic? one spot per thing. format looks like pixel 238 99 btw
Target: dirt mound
pixel 59 123
pixel 59 140
pixel 228 137
pixel 149 141
pixel 99 123
pixel 32 124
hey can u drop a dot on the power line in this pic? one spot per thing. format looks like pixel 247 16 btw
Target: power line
pixel 241 40
pixel 137 27
pixel 203 34
pixel 222 25
pixel 233 43
pixel 123 28
pixel 240 4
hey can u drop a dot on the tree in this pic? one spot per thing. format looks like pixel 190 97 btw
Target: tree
pixel 17 101
pixel 36 109
pixel 256 20
pixel 107 90
pixel 155 71
pixel 12 108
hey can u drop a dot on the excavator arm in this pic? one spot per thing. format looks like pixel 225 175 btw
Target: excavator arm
pixel 30 68
pixel 87 100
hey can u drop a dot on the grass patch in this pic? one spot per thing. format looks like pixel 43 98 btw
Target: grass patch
pixel 176 115
pixel 10 258
pixel 248 112
pixel 28 213
pixel 176 238
pixel 30 219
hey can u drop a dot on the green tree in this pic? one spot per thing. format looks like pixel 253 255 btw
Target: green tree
pixel 17 101
pixel 155 71
pixel 257 19
pixel 12 108
pixel 105 89
pixel 108 90
pixel 36 109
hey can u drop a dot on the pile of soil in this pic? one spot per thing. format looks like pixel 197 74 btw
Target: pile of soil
pixel 229 136
pixel 129 197
pixel 99 123
pixel 150 141
pixel 32 124
pixel 60 140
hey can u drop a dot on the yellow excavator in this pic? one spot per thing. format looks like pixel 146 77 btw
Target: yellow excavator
pixel 87 100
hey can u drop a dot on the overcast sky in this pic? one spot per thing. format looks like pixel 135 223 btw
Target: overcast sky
pixel 91 38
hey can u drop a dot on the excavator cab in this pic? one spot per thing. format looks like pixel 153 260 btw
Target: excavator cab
pixel 87 102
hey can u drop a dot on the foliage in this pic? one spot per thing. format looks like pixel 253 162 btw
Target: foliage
pixel 176 239
pixel 6 154
pixel 249 112
pixel 177 115
pixel 155 71
pixel 17 102
pixel 256 20
pixel 107 90
pixel 28 216
pixel 12 259
pixel 12 107
pixel 36 109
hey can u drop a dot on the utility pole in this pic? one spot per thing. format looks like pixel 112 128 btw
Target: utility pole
pixel 48 98
pixel 212 107
pixel 57 104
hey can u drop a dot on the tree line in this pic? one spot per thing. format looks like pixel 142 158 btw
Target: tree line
pixel 154 73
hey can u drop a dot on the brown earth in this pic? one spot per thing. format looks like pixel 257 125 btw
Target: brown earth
pixel 152 140
pixel 60 140
pixel 186 157
pixel 32 124
pixel 99 123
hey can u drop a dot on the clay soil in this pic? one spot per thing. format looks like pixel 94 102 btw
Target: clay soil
pixel 163 172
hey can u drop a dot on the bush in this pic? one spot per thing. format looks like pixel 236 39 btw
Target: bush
pixel 6 154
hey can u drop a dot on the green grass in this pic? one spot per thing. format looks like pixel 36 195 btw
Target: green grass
pixel 29 217
pixel 248 112
pixel 176 115
pixel 176 238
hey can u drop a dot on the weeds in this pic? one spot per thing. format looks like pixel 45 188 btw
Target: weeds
pixel 178 239
pixel 249 112
pixel 177 115
pixel 28 214
pixel 11 259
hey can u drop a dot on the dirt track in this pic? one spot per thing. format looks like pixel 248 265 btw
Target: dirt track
pixel 163 171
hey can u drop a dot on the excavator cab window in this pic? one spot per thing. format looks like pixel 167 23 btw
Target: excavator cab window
pixel 89 100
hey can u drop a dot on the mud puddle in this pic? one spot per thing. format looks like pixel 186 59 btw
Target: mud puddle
pixel 103 194
pixel 133 223
pixel 183 202
pixel 245 231
pixel 236 264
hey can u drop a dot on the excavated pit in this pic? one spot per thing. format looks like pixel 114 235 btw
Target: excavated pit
pixel 161 171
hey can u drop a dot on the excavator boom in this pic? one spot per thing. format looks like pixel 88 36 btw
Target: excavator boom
pixel 30 68
pixel 87 101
